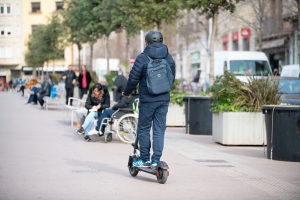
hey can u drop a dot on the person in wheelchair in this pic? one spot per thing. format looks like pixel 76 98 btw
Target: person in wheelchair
pixel 125 102
pixel 98 99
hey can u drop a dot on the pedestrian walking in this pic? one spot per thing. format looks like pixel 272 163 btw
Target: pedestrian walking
pixel 153 108
pixel 84 80
pixel 70 79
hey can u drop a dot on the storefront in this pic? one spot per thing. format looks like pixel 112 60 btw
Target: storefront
pixel 277 50
pixel 195 70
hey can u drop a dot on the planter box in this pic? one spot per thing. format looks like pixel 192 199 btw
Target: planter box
pixel 239 128
pixel 175 116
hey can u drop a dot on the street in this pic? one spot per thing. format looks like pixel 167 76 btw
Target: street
pixel 43 157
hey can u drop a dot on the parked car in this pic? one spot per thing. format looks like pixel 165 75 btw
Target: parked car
pixel 289 87
pixel 242 63
pixel 290 71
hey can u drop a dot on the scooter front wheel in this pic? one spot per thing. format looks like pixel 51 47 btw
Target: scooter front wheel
pixel 133 171
pixel 162 175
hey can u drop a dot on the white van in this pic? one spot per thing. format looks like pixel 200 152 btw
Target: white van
pixel 290 71
pixel 242 63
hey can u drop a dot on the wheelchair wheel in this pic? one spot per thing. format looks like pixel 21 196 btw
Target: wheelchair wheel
pixel 108 137
pixel 126 128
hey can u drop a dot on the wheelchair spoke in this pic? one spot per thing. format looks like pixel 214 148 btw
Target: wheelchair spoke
pixel 126 128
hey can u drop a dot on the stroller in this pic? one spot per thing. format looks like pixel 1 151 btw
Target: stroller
pixel 124 121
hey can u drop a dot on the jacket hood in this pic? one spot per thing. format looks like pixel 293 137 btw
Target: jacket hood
pixel 120 82
pixel 156 50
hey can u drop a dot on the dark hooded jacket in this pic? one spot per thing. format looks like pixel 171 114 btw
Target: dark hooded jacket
pixel 91 101
pixel 139 69
pixel 70 77
pixel 120 82
pixel 125 102
pixel 46 87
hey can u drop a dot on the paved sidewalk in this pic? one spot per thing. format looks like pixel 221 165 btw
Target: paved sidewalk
pixel 42 157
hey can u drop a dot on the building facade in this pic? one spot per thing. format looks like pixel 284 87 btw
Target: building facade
pixel 18 19
pixel 11 43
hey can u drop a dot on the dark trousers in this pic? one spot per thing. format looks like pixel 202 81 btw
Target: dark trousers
pixel 156 113
pixel 69 93
pixel 22 89
pixel 82 91
pixel 106 114
pixel 40 99
pixel 33 97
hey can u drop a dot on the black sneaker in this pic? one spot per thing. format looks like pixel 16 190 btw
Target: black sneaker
pixel 81 131
pixel 87 138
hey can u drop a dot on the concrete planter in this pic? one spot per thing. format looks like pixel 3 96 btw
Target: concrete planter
pixel 175 116
pixel 239 128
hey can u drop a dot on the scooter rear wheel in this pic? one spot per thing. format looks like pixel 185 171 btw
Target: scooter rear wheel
pixel 163 175
pixel 133 171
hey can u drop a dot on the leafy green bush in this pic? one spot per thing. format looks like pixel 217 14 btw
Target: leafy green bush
pixel 56 77
pixel 110 79
pixel 224 92
pixel 177 98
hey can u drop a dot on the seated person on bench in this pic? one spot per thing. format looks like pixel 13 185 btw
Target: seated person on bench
pixel 98 99
pixel 125 102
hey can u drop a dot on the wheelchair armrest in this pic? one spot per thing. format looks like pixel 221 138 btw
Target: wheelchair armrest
pixel 125 109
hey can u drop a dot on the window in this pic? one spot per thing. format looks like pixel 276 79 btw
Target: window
pixel 225 46
pixel 250 67
pixel 33 28
pixel 235 45
pixel 18 52
pixel 8 30
pixel 36 7
pixel 246 44
pixel 2 52
pixel 1 9
pixel 7 9
pixel 18 30
pixel 2 32
pixel 8 52
pixel 59 5
pixel 18 9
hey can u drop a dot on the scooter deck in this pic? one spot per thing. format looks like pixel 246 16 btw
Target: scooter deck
pixel 148 170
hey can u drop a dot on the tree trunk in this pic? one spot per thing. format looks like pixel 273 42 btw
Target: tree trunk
pixel 127 64
pixel 298 2
pixel 212 47
pixel 34 72
pixel 91 56
pixel 53 71
pixel 79 61
pixel 47 68
pixel 107 54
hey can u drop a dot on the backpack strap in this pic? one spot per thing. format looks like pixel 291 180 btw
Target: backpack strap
pixel 147 56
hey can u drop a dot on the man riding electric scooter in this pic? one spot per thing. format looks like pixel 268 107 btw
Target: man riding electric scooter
pixel 153 106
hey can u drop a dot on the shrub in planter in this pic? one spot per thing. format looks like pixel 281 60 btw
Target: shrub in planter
pixel 231 96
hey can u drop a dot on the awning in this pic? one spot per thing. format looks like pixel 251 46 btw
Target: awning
pixel 273 43
pixel 49 68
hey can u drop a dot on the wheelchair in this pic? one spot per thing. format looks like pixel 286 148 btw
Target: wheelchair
pixel 122 123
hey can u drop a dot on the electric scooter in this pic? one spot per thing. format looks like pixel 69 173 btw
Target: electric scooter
pixel 161 171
